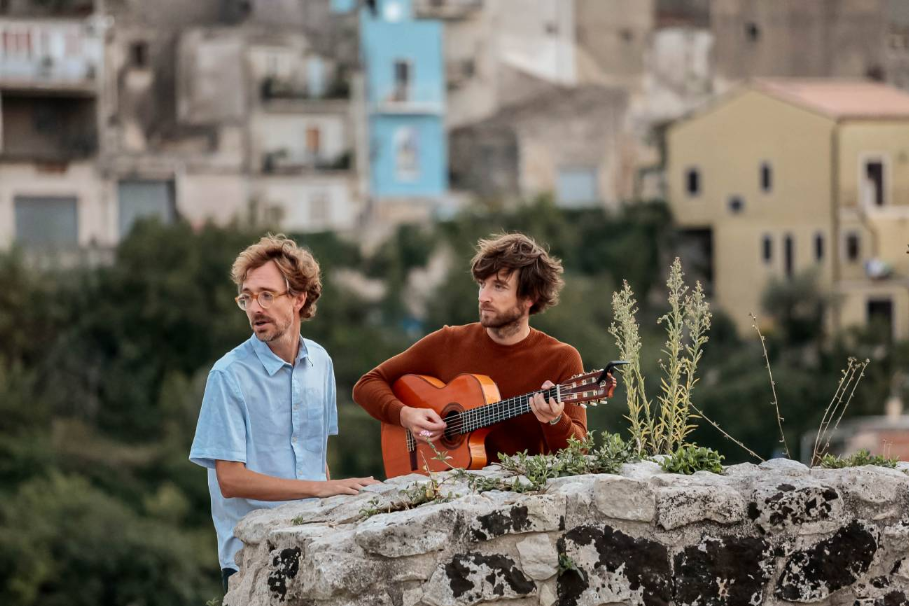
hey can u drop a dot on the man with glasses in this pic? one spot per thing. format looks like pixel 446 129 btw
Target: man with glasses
pixel 269 404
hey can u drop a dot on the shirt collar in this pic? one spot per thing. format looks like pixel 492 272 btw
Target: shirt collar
pixel 269 360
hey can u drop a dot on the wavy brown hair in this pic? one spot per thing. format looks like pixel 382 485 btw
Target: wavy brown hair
pixel 297 265
pixel 539 274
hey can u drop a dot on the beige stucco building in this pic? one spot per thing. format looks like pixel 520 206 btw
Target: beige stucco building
pixel 788 175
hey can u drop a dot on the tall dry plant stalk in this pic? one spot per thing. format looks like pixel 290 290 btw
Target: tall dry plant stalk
pixel 836 408
pixel 776 402
pixel 628 340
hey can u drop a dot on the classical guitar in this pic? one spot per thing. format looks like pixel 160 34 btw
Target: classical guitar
pixel 470 405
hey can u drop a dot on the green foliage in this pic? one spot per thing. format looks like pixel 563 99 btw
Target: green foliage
pixel 579 457
pixel 63 542
pixel 858 459
pixel 528 473
pixel 798 305
pixel 566 564
pixel 689 458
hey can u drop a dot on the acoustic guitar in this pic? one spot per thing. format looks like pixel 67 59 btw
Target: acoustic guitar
pixel 470 405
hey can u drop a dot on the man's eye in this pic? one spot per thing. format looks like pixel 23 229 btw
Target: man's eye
pixel 266 296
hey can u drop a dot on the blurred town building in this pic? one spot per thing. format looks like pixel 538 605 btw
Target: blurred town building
pixel 355 115
pixel 784 176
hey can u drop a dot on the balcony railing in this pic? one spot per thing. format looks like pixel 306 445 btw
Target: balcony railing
pixel 445 9
pixel 281 161
pixel 409 100
pixel 49 54
pixel 273 88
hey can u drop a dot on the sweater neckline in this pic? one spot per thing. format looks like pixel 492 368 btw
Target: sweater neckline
pixel 526 341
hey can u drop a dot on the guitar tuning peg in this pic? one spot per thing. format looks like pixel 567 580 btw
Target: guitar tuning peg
pixel 594 404
pixel 584 406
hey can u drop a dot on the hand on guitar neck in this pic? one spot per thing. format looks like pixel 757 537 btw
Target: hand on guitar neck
pixel 424 424
pixel 546 411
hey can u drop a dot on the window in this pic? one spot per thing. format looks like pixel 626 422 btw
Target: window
pixel 789 255
pixel 138 55
pixel 693 182
pixel 767 249
pixel 403 74
pixel 853 247
pixel 818 247
pixel 407 161
pixel 144 199
pixel 313 142
pixel 752 31
pixel 880 314
pixel 315 76
pixel 766 177
pixel 318 208
pixel 46 221
pixel 577 186
pixel 736 204
pixel 873 183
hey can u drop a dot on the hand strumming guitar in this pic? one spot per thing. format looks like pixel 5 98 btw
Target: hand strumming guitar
pixel 424 424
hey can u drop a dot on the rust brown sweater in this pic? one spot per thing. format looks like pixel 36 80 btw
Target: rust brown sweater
pixel 516 369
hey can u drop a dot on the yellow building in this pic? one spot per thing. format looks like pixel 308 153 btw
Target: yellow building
pixel 785 175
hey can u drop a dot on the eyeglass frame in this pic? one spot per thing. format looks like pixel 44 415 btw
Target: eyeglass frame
pixel 255 296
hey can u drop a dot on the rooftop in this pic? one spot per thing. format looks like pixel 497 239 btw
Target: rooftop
pixel 839 99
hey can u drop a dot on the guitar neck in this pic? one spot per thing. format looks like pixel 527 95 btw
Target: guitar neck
pixel 496 412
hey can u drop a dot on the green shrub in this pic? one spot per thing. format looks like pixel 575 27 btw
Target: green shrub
pixel 690 458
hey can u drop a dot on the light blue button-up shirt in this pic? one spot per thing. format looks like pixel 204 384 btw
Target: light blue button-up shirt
pixel 271 415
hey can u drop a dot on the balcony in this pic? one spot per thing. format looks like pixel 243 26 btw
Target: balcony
pixel 446 9
pixel 402 99
pixel 50 56
pixel 283 162
pixel 275 88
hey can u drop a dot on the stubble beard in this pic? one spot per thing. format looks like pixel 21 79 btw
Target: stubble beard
pixel 273 333
pixel 505 324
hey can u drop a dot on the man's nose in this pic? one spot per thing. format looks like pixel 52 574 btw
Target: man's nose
pixel 483 295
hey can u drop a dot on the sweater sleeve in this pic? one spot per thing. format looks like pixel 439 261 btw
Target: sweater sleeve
pixel 373 390
pixel 574 418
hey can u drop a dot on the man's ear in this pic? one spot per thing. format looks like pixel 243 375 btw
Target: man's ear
pixel 527 303
pixel 299 301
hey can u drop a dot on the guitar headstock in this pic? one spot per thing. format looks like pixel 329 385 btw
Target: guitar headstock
pixel 591 387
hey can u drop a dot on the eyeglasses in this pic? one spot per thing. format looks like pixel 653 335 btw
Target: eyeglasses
pixel 265 299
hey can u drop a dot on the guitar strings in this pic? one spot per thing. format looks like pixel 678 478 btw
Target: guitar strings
pixel 476 418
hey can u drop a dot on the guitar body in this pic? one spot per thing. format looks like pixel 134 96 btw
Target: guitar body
pixel 466 451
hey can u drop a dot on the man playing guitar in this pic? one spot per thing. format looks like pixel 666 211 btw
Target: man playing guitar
pixel 516 279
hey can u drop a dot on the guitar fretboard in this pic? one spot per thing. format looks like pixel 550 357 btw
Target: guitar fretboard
pixel 490 414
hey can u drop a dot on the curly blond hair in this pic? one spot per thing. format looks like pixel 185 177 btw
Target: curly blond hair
pixel 297 265
pixel 539 275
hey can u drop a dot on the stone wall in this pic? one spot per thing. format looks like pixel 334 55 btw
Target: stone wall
pixel 777 533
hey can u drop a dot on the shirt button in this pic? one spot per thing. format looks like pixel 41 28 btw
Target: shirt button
pixel 294 440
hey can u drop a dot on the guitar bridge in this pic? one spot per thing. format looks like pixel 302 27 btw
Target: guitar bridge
pixel 411 449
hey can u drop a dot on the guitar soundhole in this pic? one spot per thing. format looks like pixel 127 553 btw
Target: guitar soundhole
pixel 452 436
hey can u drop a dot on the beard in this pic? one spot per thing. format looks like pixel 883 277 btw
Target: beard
pixel 501 320
pixel 271 331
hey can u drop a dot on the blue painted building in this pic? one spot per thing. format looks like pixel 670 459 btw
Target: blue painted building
pixel 405 99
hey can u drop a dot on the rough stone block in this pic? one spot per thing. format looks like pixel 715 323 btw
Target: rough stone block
pixel 812 574
pixel 683 505
pixel 601 565
pixel 805 507
pixel 471 578
pixel 624 499
pixel 539 558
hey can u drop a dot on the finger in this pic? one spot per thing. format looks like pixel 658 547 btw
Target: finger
pixel 548 384
pixel 433 419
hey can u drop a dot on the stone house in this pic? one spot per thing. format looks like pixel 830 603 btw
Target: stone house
pixel 784 176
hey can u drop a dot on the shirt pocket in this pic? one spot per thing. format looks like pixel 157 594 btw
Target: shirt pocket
pixel 314 433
